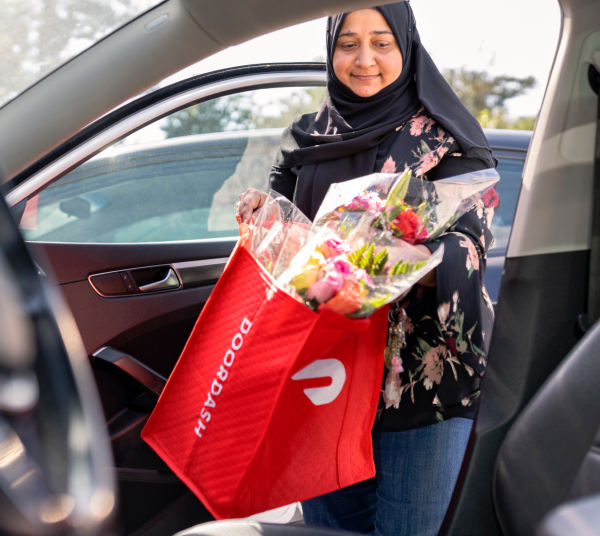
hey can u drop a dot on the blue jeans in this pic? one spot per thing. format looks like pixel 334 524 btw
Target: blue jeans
pixel 409 496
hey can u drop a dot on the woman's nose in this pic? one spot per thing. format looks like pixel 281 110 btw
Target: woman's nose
pixel 365 58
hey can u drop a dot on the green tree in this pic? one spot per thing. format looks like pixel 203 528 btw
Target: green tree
pixel 299 103
pixel 241 112
pixel 485 96
pixel 233 112
pixel 37 36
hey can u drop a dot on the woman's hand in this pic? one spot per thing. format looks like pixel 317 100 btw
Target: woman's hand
pixel 250 201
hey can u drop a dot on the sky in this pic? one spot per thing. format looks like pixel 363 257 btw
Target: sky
pixel 508 37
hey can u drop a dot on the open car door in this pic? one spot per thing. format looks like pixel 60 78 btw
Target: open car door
pixel 134 220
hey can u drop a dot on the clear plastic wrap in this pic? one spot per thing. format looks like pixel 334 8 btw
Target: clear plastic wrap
pixel 360 253
pixel 279 232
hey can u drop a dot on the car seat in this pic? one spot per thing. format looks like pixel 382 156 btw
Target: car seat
pixel 552 452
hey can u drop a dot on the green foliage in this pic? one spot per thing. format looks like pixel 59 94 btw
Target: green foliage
pixel 240 112
pixel 406 267
pixel 376 303
pixel 299 103
pixel 356 255
pixel 379 262
pixel 398 190
pixel 217 115
pixel 365 258
pixel 40 35
pixel 524 123
pixel 485 96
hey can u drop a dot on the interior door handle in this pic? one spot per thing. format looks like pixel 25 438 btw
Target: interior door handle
pixel 169 281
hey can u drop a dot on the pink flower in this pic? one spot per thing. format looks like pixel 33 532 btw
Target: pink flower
pixel 397 364
pixel 420 123
pixel 472 257
pixel 334 279
pixel 433 366
pixel 341 265
pixel 389 166
pixel 362 275
pixel 334 245
pixel 320 291
pixel 366 201
pixel 429 161
pixel 327 287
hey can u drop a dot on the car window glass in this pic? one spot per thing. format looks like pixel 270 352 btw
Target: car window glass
pixel 176 179
pixel 508 188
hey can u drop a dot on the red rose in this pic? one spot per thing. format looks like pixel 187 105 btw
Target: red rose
pixel 491 199
pixel 412 227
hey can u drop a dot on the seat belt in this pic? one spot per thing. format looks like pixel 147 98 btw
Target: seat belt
pixel 593 299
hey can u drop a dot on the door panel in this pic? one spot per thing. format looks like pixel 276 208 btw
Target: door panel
pixel 76 262
pixel 111 322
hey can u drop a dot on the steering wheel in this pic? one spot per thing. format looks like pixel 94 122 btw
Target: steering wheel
pixel 55 455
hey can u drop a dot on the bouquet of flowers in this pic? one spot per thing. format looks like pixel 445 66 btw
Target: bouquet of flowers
pixel 359 254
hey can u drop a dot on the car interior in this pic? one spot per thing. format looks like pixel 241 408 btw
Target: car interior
pixel 108 286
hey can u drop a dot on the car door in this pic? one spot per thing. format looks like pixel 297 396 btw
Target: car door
pixel 134 219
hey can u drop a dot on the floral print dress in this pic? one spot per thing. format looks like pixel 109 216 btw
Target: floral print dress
pixel 447 327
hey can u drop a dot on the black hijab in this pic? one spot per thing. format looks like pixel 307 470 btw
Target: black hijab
pixel 341 141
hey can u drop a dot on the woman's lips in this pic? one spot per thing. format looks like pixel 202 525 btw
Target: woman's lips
pixel 365 78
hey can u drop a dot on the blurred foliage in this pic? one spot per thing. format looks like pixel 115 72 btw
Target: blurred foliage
pixel 36 36
pixel 485 96
pixel 299 103
pixel 241 112
pixel 216 115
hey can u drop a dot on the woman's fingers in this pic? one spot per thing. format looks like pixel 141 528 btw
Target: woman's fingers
pixel 250 201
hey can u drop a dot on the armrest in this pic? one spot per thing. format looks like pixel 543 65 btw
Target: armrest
pixel 130 367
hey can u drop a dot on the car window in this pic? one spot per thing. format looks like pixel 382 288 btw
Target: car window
pixel 176 179
pixel 511 172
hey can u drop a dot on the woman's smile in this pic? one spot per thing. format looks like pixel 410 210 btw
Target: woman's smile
pixel 367 57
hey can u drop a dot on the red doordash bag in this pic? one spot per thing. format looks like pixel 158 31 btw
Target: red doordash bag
pixel 270 402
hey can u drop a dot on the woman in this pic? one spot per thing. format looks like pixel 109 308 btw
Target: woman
pixel 387 108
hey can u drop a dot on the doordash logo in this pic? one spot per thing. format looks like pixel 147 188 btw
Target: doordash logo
pixel 323 368
pixel 222 373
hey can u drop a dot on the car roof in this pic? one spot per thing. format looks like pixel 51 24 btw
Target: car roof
pixel 503 142
pixel 508 139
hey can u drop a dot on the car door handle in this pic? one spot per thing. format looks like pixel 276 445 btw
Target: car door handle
pixel 132 368
pixel 169 281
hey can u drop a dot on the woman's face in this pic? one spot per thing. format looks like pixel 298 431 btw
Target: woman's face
pixel 367 57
